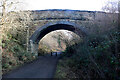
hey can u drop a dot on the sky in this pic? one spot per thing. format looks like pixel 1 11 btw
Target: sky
pixel 91 5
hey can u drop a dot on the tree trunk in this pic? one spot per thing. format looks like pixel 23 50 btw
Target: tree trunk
pixel 2 26
pixel 0 52
pixel 27 46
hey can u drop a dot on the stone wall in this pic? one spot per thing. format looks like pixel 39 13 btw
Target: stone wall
pixel 92 21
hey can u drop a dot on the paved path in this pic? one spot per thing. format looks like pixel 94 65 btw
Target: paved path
pixel 43 67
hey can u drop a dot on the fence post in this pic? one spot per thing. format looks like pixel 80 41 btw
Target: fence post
pixel 51 53
pixel 56 53
pixel 31 46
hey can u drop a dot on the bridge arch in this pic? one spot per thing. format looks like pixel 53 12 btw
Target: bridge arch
pixel 49 27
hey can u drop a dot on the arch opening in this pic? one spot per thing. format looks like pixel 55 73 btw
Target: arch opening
pixel 42 31
pixel 53 28
pixel 57 41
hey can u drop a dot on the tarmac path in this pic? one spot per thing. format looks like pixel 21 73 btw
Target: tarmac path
pixel 43 67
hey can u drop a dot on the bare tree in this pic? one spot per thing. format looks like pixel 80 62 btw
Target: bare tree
pixel 26 19
pixel 3 5
pixel 111 6
pixel 5 20
pixel 69 40
pixel 8 21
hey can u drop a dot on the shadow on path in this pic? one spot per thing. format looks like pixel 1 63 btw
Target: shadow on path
pixel 43 67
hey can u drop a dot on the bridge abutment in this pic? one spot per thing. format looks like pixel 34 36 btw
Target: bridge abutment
pixel 33 48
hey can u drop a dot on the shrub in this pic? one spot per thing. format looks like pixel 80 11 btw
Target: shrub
pixel 97 57
pixel 14 54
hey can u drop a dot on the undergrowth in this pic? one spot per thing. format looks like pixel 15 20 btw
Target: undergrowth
pixel 97 57
pixel 14 54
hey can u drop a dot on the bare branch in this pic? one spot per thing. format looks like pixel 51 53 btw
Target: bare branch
pixel 111 6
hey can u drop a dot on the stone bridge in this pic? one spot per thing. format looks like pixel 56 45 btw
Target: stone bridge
pixel 82 23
